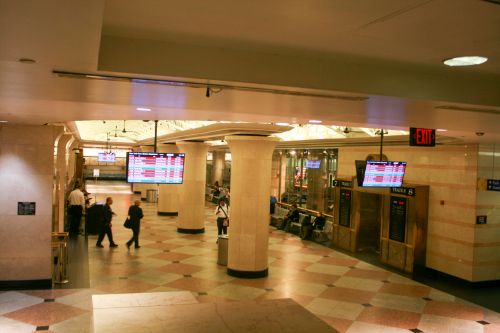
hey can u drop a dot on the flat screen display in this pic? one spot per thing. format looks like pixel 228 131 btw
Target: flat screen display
pixel 384 174
pixel 313 164
pixel 155 168
pixel 106 157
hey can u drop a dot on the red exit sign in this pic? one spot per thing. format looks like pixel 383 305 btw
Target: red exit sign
pixel 422 137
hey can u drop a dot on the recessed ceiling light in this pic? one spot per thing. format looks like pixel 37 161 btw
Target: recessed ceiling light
pixel 282 124
pixel 315 121
pixel 465 61
pixel 143 109
pixel 441 130
pixel 4 121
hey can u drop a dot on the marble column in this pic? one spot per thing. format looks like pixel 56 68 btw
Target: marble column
pixel 63 144
pixel 249 210
pixel 218 166
pixel 168 194
pixel 192 193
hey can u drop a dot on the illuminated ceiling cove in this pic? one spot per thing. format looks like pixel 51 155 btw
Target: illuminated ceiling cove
pixel 134 131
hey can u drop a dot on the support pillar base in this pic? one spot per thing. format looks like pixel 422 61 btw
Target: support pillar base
pixel 191 231
pixel 168 213
pixel 247 274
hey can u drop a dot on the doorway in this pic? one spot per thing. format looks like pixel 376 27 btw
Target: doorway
pixel 369 223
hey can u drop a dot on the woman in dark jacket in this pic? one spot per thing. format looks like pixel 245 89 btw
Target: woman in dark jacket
pixel 135 215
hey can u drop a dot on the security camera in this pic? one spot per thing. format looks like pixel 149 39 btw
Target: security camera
pixel 479 133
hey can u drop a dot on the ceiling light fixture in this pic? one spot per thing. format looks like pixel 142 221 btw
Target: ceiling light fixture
pixel 441 130
pixel 143 109
pixel 465 61
pixel 315 121
pixel 282 124
pixel 4 121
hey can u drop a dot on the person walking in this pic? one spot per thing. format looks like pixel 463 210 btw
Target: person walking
pixel 106 227
pixel 222 213
pixel 135 215
pixel 76 205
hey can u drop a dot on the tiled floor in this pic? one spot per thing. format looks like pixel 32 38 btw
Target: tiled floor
pixel 348 294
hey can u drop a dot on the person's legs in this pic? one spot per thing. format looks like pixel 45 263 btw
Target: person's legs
pixel 135 237
pixel 102 232
pixel 109 232
pixel 224 230
pixel 219 226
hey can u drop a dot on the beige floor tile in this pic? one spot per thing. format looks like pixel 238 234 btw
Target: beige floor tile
pixel 356 283
pixel 337 309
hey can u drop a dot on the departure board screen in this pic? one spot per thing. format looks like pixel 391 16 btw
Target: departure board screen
pixel 384 174
pixel 155 168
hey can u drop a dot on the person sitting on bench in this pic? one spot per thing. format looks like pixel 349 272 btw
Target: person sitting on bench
pixel 291 216
pixel 307 228
pixel 319 221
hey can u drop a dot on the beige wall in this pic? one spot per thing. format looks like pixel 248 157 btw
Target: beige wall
pixel 455 244
pixel 26 174
pixel 487 236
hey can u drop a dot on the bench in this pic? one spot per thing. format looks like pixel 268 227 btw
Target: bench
pixel 323 236
pixel 296 227
pixel 278 216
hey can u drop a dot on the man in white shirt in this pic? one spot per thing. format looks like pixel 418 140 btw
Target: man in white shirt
pixel 76 201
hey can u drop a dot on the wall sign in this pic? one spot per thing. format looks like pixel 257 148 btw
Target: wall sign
pixel 342 183
pixel 422 137
pixel 409 191
pixel 26 208
pixel 397 219
pixel 481 219
pixel 493 185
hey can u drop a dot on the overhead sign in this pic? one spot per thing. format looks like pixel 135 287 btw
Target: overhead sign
pixel 493 185
pixel 409 191
pixel 422 137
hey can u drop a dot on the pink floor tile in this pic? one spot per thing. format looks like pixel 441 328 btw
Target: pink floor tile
pixel 170 256
pixel 368 274
pixel 180 268
pixel 454 310
pixel 193 284
pixel 341 325
pixel 45 314
pixel 338 261
pixel 405 289
pixel 348 295
pixel 389 317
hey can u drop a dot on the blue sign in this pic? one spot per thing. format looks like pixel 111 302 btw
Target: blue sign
pixel 493 185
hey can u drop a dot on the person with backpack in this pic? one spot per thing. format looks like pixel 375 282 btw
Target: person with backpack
pixel 222 213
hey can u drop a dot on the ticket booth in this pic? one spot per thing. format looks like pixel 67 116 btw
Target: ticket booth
pixel 390 222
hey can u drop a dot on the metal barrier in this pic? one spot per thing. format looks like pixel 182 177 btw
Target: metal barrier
pixel 223 249
pixel 60 257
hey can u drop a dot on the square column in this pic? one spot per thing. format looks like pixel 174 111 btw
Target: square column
pixel 192 191
pixel 168 194
pixel 249 218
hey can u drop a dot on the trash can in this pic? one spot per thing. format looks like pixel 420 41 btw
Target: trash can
pixel 151 195
pixel 223 243
pixel 59 262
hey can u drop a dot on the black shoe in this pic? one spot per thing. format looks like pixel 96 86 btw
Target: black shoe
pixel 137 247
pixel 128 245
pixel 99 245
pixel 113 245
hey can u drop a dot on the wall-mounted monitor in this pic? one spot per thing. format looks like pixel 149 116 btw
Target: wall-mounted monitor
pixel 384 174
pixel 313 164
pixel 107 157
pixel 155 168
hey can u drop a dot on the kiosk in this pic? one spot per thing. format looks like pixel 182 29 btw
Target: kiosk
pixel 391 222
